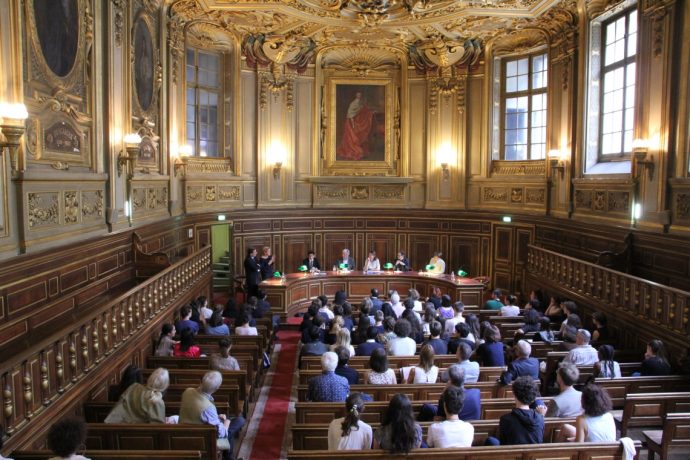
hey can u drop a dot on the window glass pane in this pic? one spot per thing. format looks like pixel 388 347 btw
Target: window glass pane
pixel 511 84
pixel 523 66
pixel 511 68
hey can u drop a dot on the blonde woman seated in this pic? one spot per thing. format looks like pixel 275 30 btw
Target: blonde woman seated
pixel 380 373
pixel 425 371
pixel 142 403
pixel 349 432
pixel 343 339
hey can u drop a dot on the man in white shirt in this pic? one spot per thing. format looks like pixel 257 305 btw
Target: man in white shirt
pixel 583 354
pixel 402 344
pixel 458 308
pixel 511 309
pixel 569 402
pixel 438 263
pixel 452 432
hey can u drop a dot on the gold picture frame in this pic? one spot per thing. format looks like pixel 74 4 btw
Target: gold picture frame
pixel 360 127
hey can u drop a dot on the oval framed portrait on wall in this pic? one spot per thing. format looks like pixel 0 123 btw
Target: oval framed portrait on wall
pixel 144 63
pixel 57 33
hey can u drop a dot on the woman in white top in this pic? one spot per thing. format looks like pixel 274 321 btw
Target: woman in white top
pixel 425 371
pixel 65 437
pixel 372 263
pixel 607 367
pixel 596 424
pixel 244 328
pixel 380 374
pixel 349 432
pixel 343 339
pixel 414 295
pixel 452 432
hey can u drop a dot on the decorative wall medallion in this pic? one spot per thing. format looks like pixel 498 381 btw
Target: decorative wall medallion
pixel 393 192
pixel 231 193
pixel 71 207
pixel 194 193
pixel 683 206
pixel 331 193
pixel 619 201
pixel 210 193
pixel 583 199
pixel 495 194
pixel 92 204
pixel 535 195
pixel 43 209
pixel 359 192
pixel 518 168
pixel 147 152
pixel 61 137
pixel 516 195
pixel 599 201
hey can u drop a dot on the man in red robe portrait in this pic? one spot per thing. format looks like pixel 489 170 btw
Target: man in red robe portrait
pixel 354 144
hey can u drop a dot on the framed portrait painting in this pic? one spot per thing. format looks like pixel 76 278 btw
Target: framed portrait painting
pixel 360 127
pixel 57 30
pixel 143 63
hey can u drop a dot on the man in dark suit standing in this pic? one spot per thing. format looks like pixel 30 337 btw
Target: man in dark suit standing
pixel 311 262
pixel 252 271
pixel 346 259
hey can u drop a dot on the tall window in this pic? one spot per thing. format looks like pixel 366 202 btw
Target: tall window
pixel 204 100
pixel 523 108
pixel 618 92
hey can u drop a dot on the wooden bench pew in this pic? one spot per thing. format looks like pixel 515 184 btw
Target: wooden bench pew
pixel 314 436
pixel 192 378
pixel 154 437
pixel 618 389
pixel 97 411
pixel 420 392
pixel 676 433
pixel 487 374
pixel 362 362
pixel 650 409
pixel 561 451
pixel 246 364
pixel 114 455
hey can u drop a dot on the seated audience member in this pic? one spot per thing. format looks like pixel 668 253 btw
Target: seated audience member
pixel 165 344
pixel 142 403
pixel 222 361
pixel 463 332
pixel 231 311
pixel 511 309
pixel 416 332
pixel 425 371
pixel 396 305
pixel 471 368
pixel 328 387
pixel 452 432
pixel 380 373
pixel 523 365
pixel 409 305
pixel 350 432
pixel 545 334
pixel 342 339
pixel 569 308
pixel 388 330
pixel 568 332
pixel 601 328
pixel 349 323
pixel 366 348
pixel 472 321
pixel 197 408
pixel 494 303
pixel 435 297
pixel 607 367
pixel 458 308
pixel 387 310
pixel 308 319
pixel 340 296
pixel 186 347
pixel 185 321
pixel 132 374
pixel 314 347
pixel 655 360
pixel 490 353
pixel 414 295
pixel 568 403
pixel 343 369
pixel 435 341
pixel 363 323
pixel 336 325
pixel 446 311
pixel 378 321
pixel 216 326
pixel 522 425
pixel 531 321
pixel 375 301
pixel 596 424
pixel 263 308
pixel 399 433
pixel 583 354
pixel 65 437
pixel 244 328
pixel 472 406
pixel 428 317
pixel 554 311
pixel 402 344
pixel 204 310
pixel 326 312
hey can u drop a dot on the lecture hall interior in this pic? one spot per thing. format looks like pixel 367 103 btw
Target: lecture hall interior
pixel 541 146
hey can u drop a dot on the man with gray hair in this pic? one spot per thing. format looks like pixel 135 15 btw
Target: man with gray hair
pixel 198 408
pixel 522 365
pixel 328 387
pixel 583 354
pixel 346 259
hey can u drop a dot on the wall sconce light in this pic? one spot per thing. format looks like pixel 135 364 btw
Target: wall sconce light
pixel 445 155
pixel 12 126
pixel 557 161
pixel 640 148
pixel 276 169
pixel 184 151
pixel 445 171
pixel 129 157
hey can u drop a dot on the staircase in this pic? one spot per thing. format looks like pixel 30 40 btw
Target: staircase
pixel 221 273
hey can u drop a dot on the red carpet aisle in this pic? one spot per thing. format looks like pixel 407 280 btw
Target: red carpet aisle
pixel 268 439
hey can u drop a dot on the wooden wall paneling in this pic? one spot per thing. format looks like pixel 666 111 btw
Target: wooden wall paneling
pixel 503 251
pixel 422 248
pixel 465 252
pixel 523 238
pixel 384 244
pixel 334 243
pixel 295 248
pixel 203 235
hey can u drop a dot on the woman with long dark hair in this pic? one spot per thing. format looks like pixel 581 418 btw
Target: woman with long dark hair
pixel 655 360
pixel 165 344
pixel 399 433
pixel 350 432
pixel 186 347
pixel 607 367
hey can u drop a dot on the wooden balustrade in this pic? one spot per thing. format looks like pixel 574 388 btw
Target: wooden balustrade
pixel 658 304
pixel 36 378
